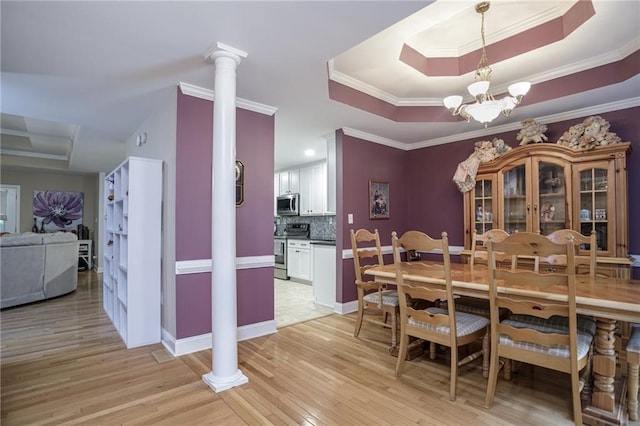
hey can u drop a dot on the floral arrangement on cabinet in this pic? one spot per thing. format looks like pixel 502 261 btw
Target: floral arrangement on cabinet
pixel 592 132
pixel 531 132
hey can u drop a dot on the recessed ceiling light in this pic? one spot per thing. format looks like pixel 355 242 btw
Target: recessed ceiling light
pixel 309 152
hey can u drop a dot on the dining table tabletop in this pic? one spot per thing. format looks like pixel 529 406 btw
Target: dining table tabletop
pixel 613 298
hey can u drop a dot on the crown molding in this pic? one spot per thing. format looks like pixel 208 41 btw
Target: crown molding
pixel 208 94
pixel 374 138
pixel 58 157
pixel 553 118
pixel 368 89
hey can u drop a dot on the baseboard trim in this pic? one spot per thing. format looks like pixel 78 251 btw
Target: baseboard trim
pixel 346 308
pixel 202 342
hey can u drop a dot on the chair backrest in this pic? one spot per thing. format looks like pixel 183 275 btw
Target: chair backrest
pixel 421 242
pixel 367 251
pixel 532 244
pixel 478 252
pixel 561 236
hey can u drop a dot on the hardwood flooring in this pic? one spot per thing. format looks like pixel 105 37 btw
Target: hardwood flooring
pixel 63 363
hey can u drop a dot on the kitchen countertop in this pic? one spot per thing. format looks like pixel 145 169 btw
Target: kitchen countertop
pixel 323 242
pixel 319 241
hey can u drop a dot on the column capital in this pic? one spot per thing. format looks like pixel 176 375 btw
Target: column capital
pixel 222 50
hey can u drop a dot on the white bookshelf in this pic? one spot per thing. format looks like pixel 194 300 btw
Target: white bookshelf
pixel 132 238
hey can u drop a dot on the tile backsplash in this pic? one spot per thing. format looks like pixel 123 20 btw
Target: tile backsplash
pixel 320 227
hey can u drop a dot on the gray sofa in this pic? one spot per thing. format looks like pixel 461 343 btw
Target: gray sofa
pixel 37 266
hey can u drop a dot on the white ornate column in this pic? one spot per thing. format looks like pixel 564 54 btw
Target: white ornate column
pixel 225 373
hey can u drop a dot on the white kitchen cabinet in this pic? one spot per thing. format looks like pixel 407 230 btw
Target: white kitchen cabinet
pixel 299 262
pixel 313 189
pixel 288 181
pixel 324 274
pixel 132 238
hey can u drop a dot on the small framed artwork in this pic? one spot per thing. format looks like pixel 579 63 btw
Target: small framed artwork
pixel 378 200
pixel 239 183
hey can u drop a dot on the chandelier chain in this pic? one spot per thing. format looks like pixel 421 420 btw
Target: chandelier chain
pixel 484 69
pixel 485 108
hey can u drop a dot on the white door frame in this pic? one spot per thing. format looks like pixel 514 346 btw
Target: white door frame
pixel 12 223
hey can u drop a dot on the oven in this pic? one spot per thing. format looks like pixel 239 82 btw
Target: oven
pixel 280 252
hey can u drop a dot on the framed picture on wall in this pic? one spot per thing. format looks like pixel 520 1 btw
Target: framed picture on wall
pixel 239 183
pixel 378 200
pixel 57 210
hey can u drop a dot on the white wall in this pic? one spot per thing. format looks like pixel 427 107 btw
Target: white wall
pixel 160 129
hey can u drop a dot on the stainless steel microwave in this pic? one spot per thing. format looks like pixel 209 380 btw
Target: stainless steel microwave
pixel 288 205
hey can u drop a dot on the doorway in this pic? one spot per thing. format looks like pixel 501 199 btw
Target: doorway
pixel 10 209
pixel 294 303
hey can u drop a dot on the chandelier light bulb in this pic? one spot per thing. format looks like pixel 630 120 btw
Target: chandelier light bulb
pixel 508 104
pixel 518 90
pixel 479 90
pixel 485 108
pixel 452 102
pixel 485 112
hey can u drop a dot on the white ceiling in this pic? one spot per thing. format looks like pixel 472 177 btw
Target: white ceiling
pixel 78 78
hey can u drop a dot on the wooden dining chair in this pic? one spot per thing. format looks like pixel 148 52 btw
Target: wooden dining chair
pixel 633 364
pixel 561 236
pixel 479 244
pixel 541 343
pixel 443 326
pixel 376 303
pixel 479 256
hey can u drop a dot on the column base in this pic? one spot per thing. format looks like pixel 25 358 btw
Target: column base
pixel 219 384
pixel 618 417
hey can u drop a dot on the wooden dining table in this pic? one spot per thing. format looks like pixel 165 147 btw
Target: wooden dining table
pixel 609 300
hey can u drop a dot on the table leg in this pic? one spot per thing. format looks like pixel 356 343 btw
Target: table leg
pixel 608 397
pixel 604 365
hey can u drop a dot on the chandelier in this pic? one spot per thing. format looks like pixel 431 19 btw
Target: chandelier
pixel 485 108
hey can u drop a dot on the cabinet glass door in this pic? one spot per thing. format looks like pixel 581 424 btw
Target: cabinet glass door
pixel 594 213
pixel 484 207
pixel 552 198
pixel 515 200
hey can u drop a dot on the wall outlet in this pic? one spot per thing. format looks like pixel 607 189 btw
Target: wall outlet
pixel 350 218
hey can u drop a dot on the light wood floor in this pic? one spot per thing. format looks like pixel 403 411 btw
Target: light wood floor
pixel 63 363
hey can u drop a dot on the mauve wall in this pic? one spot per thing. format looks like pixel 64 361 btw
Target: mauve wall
pixel 361 161
pixel 436 204
pixel 255 148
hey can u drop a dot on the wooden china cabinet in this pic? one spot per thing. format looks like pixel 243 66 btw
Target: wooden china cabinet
pixel 545 187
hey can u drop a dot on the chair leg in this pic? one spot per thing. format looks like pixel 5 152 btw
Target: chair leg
pixel 575 395
pixel 454 373
pixel 493 374
pixel 633 391
pixel 485 355
pixel 394 328
pixel 359 318
pixel 402 353
pixel 507 369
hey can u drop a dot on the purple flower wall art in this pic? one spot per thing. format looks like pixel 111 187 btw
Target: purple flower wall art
pixel 56 211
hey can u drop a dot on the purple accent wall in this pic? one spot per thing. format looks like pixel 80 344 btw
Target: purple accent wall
pixel 431 169
pixel 194 151
pixel 424 179
pixel 254 219
pixel 360 162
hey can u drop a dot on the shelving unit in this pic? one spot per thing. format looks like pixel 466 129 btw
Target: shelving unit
pixel 132 236
pixel 545 187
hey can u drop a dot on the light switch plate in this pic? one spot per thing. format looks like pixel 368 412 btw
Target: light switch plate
pixel 350 218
